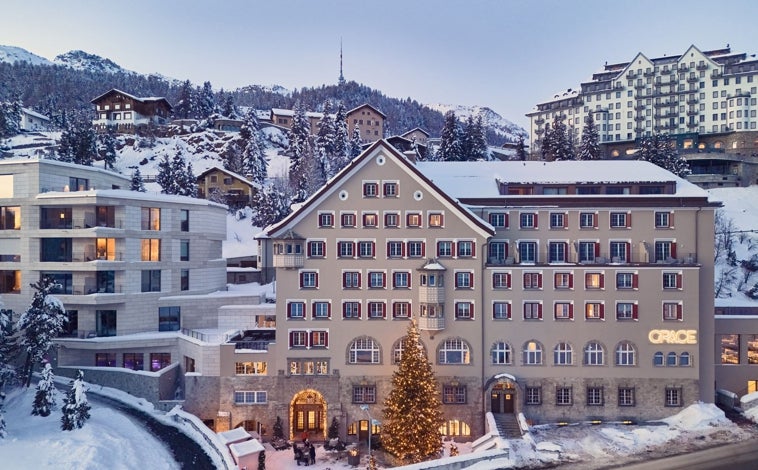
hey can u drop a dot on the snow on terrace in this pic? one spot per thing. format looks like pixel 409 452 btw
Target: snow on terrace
pixel 480 179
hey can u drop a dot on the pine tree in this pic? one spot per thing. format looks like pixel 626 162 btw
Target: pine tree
pixel 253 156
pixel 44 399
pixel 10 119
pixel 413 411
pixel 206 105
pixel 334 429
pixel 8 352
pixel 278 428
pixel 183 108
pixel 189 185
pixel 589 149
pixel 262 460
pixel 299 149
pixel 40 324
pixel 341 140
pixel 451 140
pixel 659 150
pixel 520 148
pixel 137 184
pixel 272 203
pixel 325 140
pixel 474 144
pixel 356 144
pixel 75 405
pixel 561 146
pixel 3 426
pixel 78 141
pixel 108 142
pixel 546 145
pixel 165 175
pixel 229 109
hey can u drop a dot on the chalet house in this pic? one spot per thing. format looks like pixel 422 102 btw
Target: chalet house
pixel 369 120
pixel 283 118
pixel 33 121
pixel 418 134
pixel 233 189
pixel 123 112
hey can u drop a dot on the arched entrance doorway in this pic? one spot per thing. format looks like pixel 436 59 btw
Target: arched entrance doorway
pixel 308 415
pixel 503 397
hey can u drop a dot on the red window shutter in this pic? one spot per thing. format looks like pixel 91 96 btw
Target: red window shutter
pixel 671 219
pixel 355 249
pixel 423 249
pixel 508 281
pixel 301 279
pixel 597 249
pixel 566 250
pixel 292 338
pixel 628 252
pixel 493 279
pixel 635 311
pixel 535 219
pixel 453 249
pixel 473 248
pixel 438 249
pixel 384 279
pixel 313 310
pixel 388 250
pixel 373 249
pixel 678 311
pixel 402 248
pixel 673 250
pixel 365 189
pixel 506 249
pixel 602 280
pixel 602 311
pixel 571 280
pixel 344 280
pixel 359 279
pixel 384 310
pixel 316 279
pixel 506 220
pixel 326 339
pixel 628 219
pixel 565 220
pixel 289 310
pixel 310 251
pixel 359 309
pixel 571 311
pixel 539 311
pixel 539 284
pixel 678 281
pixel 471 279
pixel 635 281
pixel 594 220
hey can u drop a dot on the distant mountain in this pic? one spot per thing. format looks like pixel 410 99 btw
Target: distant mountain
pixel 13 54
pixel 494 122
pixel 80 60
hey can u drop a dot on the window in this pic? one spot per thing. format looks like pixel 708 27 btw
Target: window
pixel 316 249
pixel 587 251
pixel 436 220
pixel 626 311
pixel 501 310
pixel 351 310
pixel 444 249
pixel 416 249
pixel 184 279
pixel 665 251
pixel 370 189
pixel 159 360
pixel 454 351
pixel 564 311
pixel 626 396
pixel 533 395
pixel 672 281
pixel 752 349
pixel 364 394
pixel 413 220
pixel 82 184
pixel 594 311
pixel 557 220
pixel 105 282
pixel 528 220
pixel 391 219
pixel 626 281
pixel 620 251
pixel 557 252
pixel 183 220
pixel 401 309
pixel 133 361
pixel 501 280
pixel 10 218
pixel 730 349
pixel 308 279
pixel 319 339
pixel 498 220
pixel 370 220
pixel 671 359
pixel 326 220
pixel 498 252
pixel 684 359
pixel 296 310
pixel 454 394
pixel 250 397
pixel 321 309
pixel 363 351
pixel 151 218
pixel 351 280
pixel 105 249
pixel 528 252
pixel 250 368
pixel 151 280
pixel 184 250
pixel 658 359
pixel 377 310
pixel 563 354
pixel 563 396
pixel 626 354
pixel 532 311
pixel 366 249
pixel 563 280
pixel 347 219
pixel 663 220
pixel 390 189
pixel 401 280
pixel 345 249
pixel 105 359
pixel 532 280
pixel 395 249
pixel 532 353
pixel 620 219
pixel 464 280
pixel 151 249
pixel 594 281
pixel 587 220
pixel 672 311
pixel 169 318
pixel 594 354
pixel 673 396
pixel 465 249
pixel 376 280
pixel 595 396
pixel 56 250
pixel 464 311
pixel 501 353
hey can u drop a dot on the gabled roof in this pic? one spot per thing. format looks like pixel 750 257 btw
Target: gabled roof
pixel 331 186
pixel 33 113
pixel 148 99
pixel 366 105
pixel 414 130
pixel 230 173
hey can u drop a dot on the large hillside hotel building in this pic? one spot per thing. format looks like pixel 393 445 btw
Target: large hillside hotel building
pixel 705 100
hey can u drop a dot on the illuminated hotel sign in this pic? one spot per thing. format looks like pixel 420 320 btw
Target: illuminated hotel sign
pixel 672 336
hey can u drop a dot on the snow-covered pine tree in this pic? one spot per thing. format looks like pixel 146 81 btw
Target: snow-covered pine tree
pixel 589 149
pixel 341 140
pixel 546 144
pixel 10 119
pixel 356 143
pixel 253 156
pixel 137 183
pixel 262 460
pixel 78 142
pixel 3 426
pixel 44 398
pixel 206 104
pixel 520 148
pixel 562 148
pixel 165 175
pixel 108 144
pixel 451 140
pixel 229 109
pixel 232 155
pixel 660 150
pixel 75 409
pixel 278 428
pixel 412 410
pixel 272 203
pixel 189 185
pixel 40 324
pixel 325 140
pixel 299 149
pixel 183 108
pixel 8 352
pixel 474 145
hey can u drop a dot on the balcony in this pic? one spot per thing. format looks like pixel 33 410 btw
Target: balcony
pixel 539 131
pixel 630 75
pixel 639 118
pixel 639 85
pixel 649 73
pixel 639 107
pixel 692 125
pixel 431 295
pixel 539 121
pixel 693 79
pixel 715 74
pixel 702 66
pixel 639 130
pixel 289 261
pixel 692 101
pixel 431 323
pixel 692 112
pixel 618 86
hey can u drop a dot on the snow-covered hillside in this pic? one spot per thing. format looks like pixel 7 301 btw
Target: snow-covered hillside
pixel 80 60
pixel 491 119
pixel 13 54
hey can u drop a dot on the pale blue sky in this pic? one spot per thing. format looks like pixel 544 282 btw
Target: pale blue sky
pixel 507 54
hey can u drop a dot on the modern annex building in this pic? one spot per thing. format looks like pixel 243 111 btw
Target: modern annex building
pixel 563 290
pixel 705 100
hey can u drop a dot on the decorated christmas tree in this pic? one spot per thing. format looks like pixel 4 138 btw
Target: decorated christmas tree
pixel 413 411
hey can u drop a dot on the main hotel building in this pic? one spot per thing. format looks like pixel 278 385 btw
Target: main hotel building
pixel 564 290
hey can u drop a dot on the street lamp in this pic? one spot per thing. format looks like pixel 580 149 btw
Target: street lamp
pixel 365 408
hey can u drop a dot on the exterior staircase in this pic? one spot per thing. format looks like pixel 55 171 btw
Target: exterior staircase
pixel 507 425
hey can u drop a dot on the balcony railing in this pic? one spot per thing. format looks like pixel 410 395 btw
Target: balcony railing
pixel 692 101
pixel 289 261
pixel 702 66
pixel 636 256
pixel 431 323
pixel 431 295
pixel 693 79
pixel 254 345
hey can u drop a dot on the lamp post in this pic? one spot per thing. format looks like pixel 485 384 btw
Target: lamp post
pixel 365 408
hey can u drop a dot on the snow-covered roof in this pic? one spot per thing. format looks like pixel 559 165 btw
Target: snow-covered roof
pixel 243 179
pixel 143 99
pixel 480 179
pixel 364 106
pixel 33 113
pixel 242 449
pixel 290 112
pixel 234 435
pixel 128 194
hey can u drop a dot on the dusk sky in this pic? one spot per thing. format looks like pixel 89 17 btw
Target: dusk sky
pixel 507 55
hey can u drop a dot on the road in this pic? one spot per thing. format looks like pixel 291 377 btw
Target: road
pixel 738 456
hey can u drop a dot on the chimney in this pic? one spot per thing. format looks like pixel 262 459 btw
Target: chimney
pixel 410 155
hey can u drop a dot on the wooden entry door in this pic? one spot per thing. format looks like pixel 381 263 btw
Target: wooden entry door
pixel 502 401
pixel 308 418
